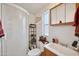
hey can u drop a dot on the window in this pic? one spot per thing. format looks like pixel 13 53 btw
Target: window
pixel 45 23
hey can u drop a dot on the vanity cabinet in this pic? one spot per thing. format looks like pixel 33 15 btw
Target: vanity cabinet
pixel 62 14
pixel 48 53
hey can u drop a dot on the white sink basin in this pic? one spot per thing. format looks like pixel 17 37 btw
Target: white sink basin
pixel 61 50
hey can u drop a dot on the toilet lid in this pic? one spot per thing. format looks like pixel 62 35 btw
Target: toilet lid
pixel 34 52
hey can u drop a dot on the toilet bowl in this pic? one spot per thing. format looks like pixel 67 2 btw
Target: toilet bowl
pixel 37 51
pixel 34 52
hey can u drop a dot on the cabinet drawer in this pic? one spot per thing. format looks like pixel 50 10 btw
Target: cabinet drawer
pixel 49 53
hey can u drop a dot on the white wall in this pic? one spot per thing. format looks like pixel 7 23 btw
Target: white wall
pixel 39 14
pixel 15 25
pixel 31 19
pixel 0 38
pixel 0 10
pixel 65 34
pixel 39 30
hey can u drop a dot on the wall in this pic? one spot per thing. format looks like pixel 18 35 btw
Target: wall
pixel 31 19
pixel 65 34
pixel 15 24
pixel 39 14
pixel 0 38
pixel 39 30
pixel 0 10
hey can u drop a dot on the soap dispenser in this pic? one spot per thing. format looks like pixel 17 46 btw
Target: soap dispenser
pixel 74 44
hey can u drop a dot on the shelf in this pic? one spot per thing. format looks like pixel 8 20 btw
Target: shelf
pixel 32 35
pixel 62 12
pixel 62 24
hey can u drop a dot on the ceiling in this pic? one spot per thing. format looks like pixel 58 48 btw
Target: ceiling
pixel 33 8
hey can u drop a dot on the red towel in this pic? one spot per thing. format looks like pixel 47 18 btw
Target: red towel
pixel 1 30
pixel 76 18
pixel 76 22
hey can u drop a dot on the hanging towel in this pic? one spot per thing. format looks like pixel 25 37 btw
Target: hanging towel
pixel 76 22
pixel 1 30
pixel 77 31
pixel 76 18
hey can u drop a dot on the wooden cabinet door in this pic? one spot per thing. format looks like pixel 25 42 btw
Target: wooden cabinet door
pixel 70 12
pixel 49 53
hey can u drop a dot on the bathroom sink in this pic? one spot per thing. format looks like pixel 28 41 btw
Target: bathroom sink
pixel 61 50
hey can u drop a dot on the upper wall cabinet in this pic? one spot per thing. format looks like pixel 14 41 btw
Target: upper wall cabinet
pixel 70 11
pixel 53 16
pixel 62 14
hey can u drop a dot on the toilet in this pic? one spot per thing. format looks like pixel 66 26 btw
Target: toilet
pixel 37 51
pixel 34 52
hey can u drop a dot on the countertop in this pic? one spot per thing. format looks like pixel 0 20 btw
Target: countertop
pixel 61 50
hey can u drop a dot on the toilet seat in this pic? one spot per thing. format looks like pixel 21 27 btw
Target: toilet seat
pixel 34 52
